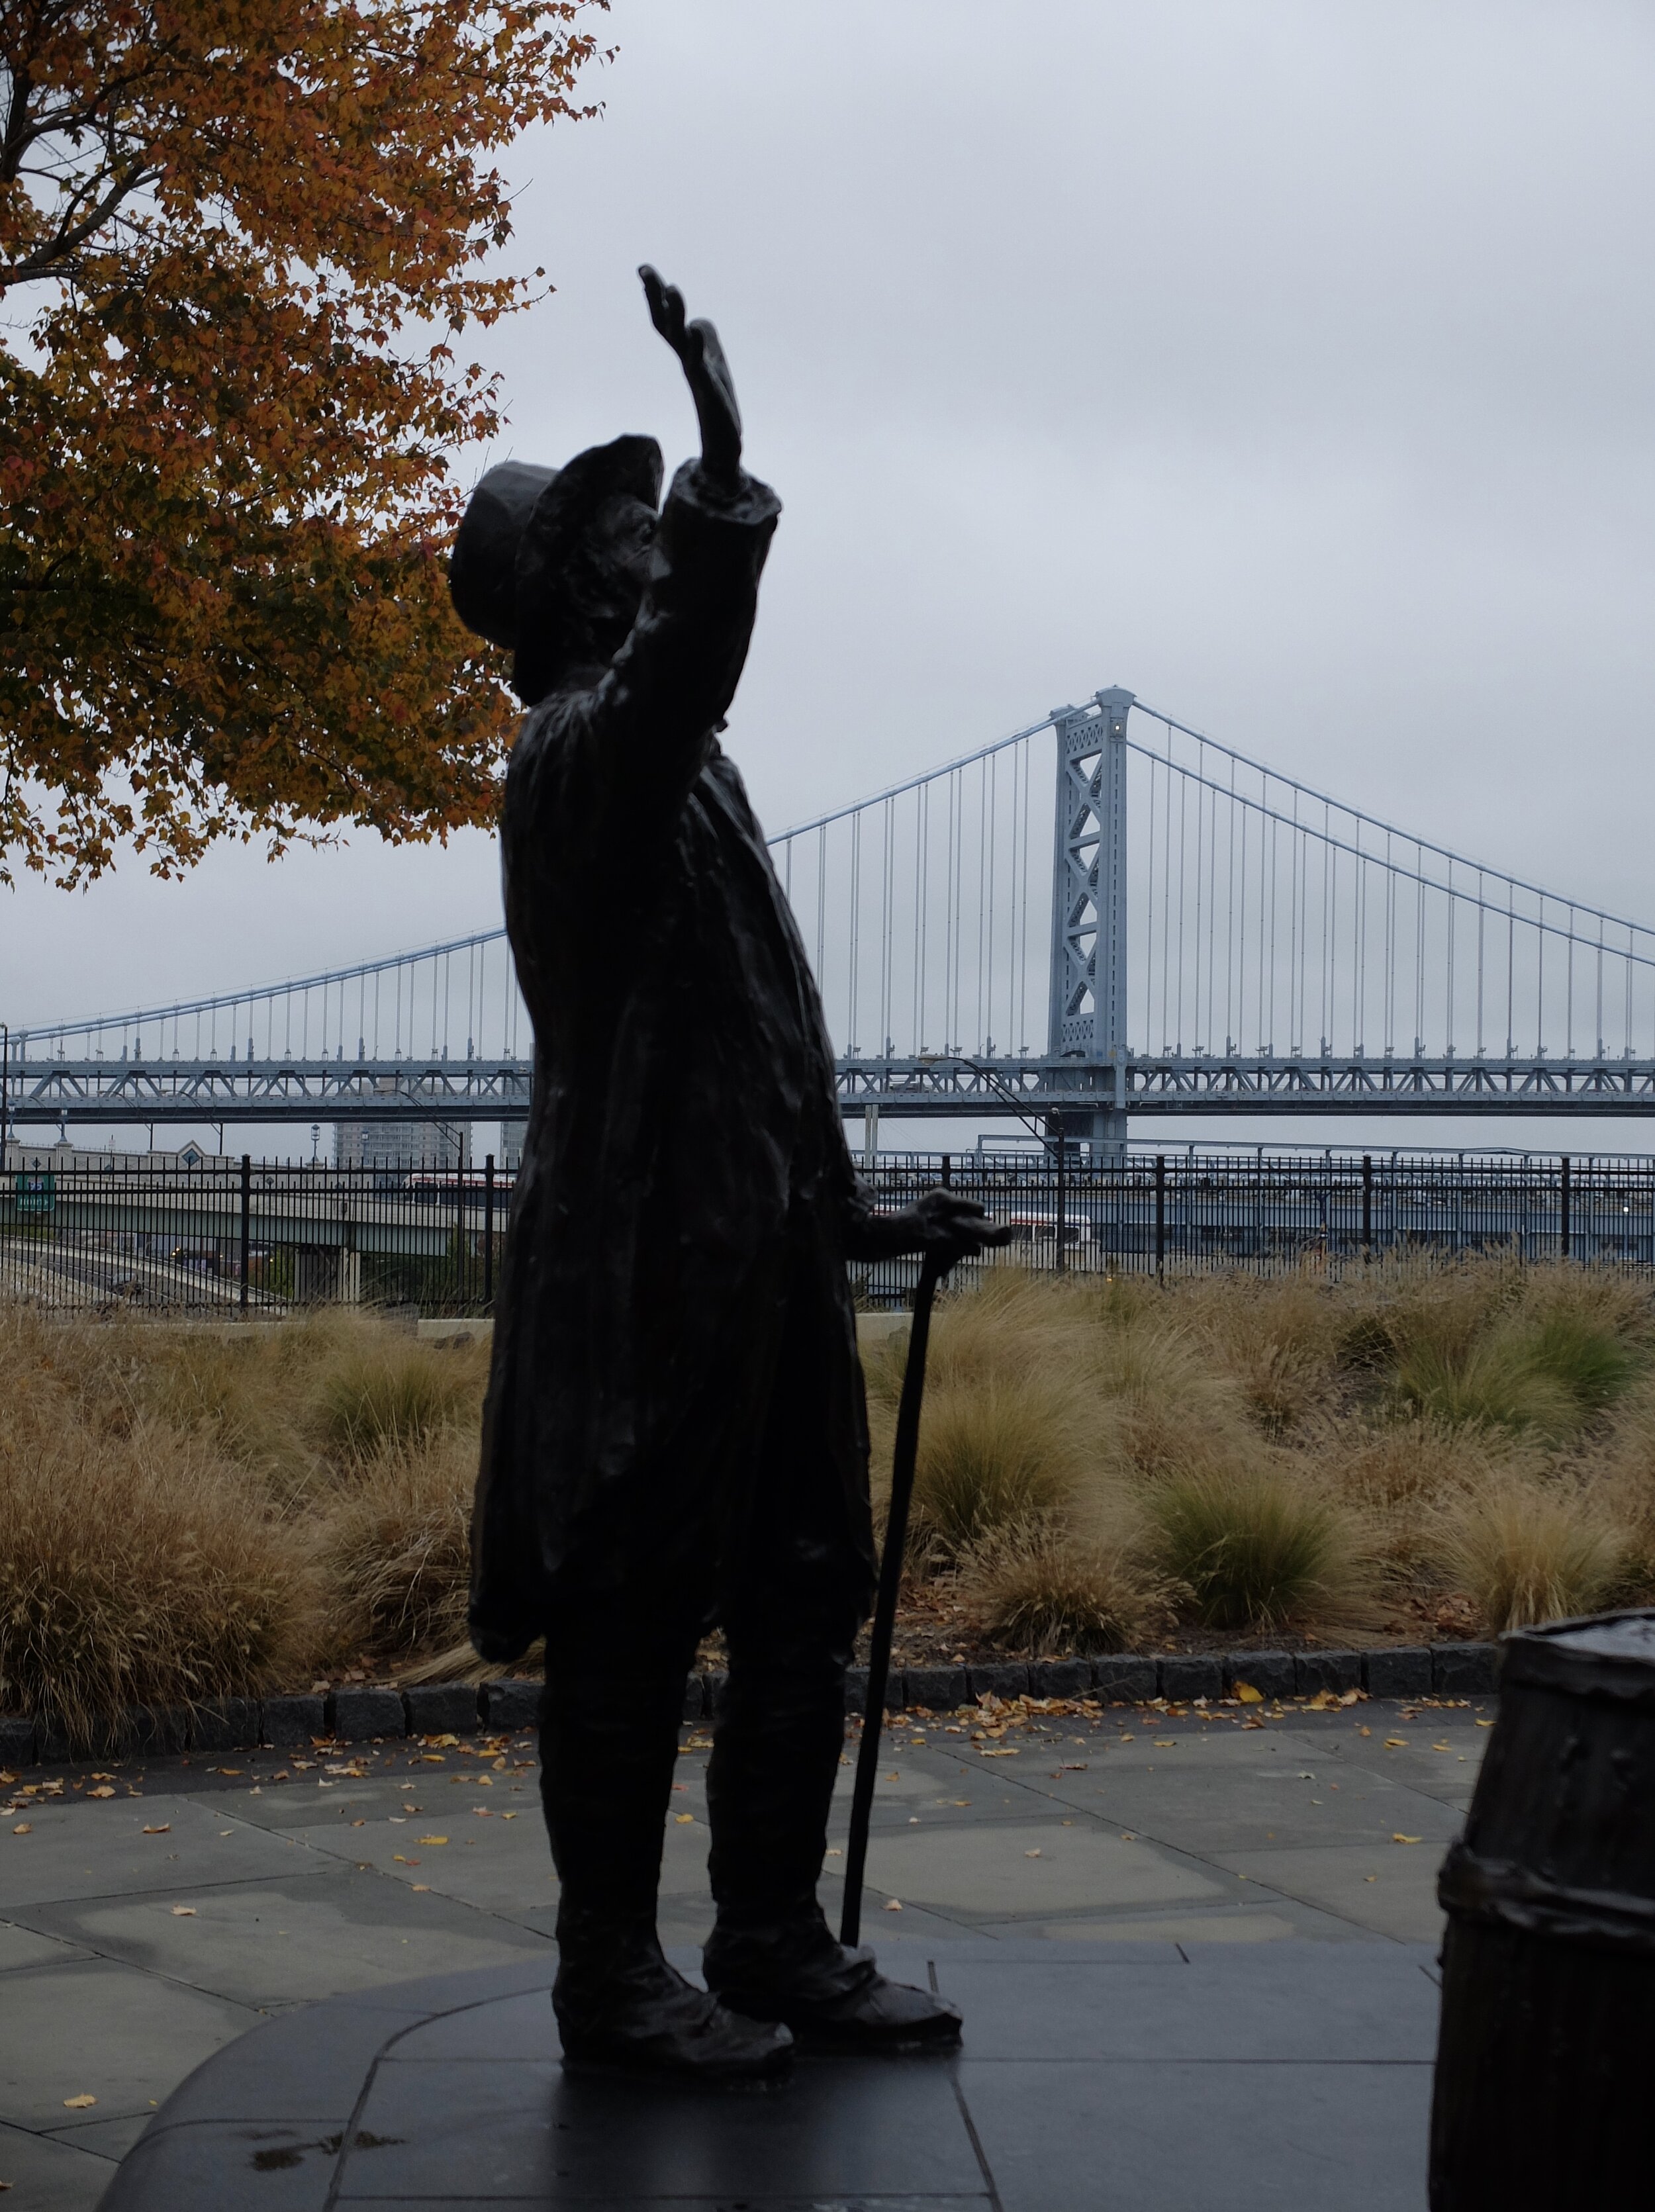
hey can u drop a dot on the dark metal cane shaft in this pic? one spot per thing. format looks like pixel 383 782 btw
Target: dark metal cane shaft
pixel 884 1610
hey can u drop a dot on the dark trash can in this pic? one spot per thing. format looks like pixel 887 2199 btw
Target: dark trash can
pixel 1544 2062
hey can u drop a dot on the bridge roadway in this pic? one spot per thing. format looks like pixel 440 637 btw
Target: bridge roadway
pixel 102 1091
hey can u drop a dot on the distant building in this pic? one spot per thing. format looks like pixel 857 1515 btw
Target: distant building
pixel 420 1145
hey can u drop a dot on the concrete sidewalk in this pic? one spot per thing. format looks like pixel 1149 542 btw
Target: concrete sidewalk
pixel 141 1931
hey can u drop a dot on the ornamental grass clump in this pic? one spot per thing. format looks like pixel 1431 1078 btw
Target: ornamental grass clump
pixel 398 1546
pixel 141 1570
pixel 381 1389
pixel 1256 1548
pixel 1543 1350
pixel 993 1454
pixel 1041 1587
pixel 1526 1553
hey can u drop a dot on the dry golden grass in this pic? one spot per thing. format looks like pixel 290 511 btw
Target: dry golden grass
pixel 194 1513
pixel 1317 1449
pixel 398 1545
pixel 381 1389
pixel 1257 1547
pixel 995 1452
pixel 1525 1554
pixel 186 1513
pixel 1040 1587
pixel 137 1566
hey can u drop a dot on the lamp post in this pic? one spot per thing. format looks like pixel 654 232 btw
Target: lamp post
pixel 5 1090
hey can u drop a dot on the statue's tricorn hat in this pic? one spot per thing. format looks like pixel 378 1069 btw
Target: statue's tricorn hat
pixel 514 574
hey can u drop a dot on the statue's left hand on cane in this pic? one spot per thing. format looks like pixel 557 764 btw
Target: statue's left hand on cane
pixel 941 1225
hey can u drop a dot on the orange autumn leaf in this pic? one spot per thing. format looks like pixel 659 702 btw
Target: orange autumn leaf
pixel 239 242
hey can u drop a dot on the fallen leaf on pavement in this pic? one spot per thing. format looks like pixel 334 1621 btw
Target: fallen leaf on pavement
pixel 184 1912
pixel 430 1839
pixel 1031 1854
pixel 23 1828
pixel 1248 1695
pixel 1400 1838
pixel 103 1789
pixel 162 1828
pixel 684 1820
pixel 891 1906
pixel 78 2104
pixel 419 1885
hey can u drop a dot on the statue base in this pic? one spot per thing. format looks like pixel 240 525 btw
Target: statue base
pixel 1263 2077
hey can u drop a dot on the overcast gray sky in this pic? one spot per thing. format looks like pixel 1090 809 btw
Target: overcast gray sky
pixel 1290 364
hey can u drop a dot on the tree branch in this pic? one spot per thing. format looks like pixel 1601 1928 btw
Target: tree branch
pixel 69 238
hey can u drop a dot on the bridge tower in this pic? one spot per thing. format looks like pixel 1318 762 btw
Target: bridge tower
pixel 1088 1012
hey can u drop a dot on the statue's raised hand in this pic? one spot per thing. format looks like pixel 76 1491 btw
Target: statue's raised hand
pixel 707 374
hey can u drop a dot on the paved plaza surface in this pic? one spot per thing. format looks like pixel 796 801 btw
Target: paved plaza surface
pixel 1158 1924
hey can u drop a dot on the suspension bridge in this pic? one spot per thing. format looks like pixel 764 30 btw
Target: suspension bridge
pixel 1106 914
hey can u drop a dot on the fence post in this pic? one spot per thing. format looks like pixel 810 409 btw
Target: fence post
pixel 1367 1206
pixel 247 1225
pixel 1563 1210
pixel 488 1230
pixel 1061 1224
pixel 1160 1217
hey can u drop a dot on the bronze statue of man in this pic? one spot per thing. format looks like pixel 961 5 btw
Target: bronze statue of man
pixel 675 1435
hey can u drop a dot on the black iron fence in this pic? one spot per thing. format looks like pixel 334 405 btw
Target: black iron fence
pixel 245 1238
pixel 1184 1210
pixel 242 1238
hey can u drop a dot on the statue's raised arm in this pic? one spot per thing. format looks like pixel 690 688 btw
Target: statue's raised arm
pixel 706 372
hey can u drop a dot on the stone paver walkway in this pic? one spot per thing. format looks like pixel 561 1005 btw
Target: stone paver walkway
pixel 141 1931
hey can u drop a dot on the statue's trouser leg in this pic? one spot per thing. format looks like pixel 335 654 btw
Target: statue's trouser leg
pixel 778 1741
pixel 609 1724
pixel 791 1607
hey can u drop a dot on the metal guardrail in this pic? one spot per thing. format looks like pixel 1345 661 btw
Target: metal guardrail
pixel 231 1239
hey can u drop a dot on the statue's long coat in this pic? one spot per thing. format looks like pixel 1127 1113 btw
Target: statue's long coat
pixel 685 1176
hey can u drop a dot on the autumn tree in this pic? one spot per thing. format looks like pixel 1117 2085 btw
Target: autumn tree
pixel 239 242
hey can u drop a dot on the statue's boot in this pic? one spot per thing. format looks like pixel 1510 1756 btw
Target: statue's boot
pixel 619 2004
pixel 790 1969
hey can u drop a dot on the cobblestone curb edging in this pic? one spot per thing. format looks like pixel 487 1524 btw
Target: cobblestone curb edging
pixel 360 1716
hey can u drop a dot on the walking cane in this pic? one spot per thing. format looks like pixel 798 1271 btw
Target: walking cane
pixel 884 1610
